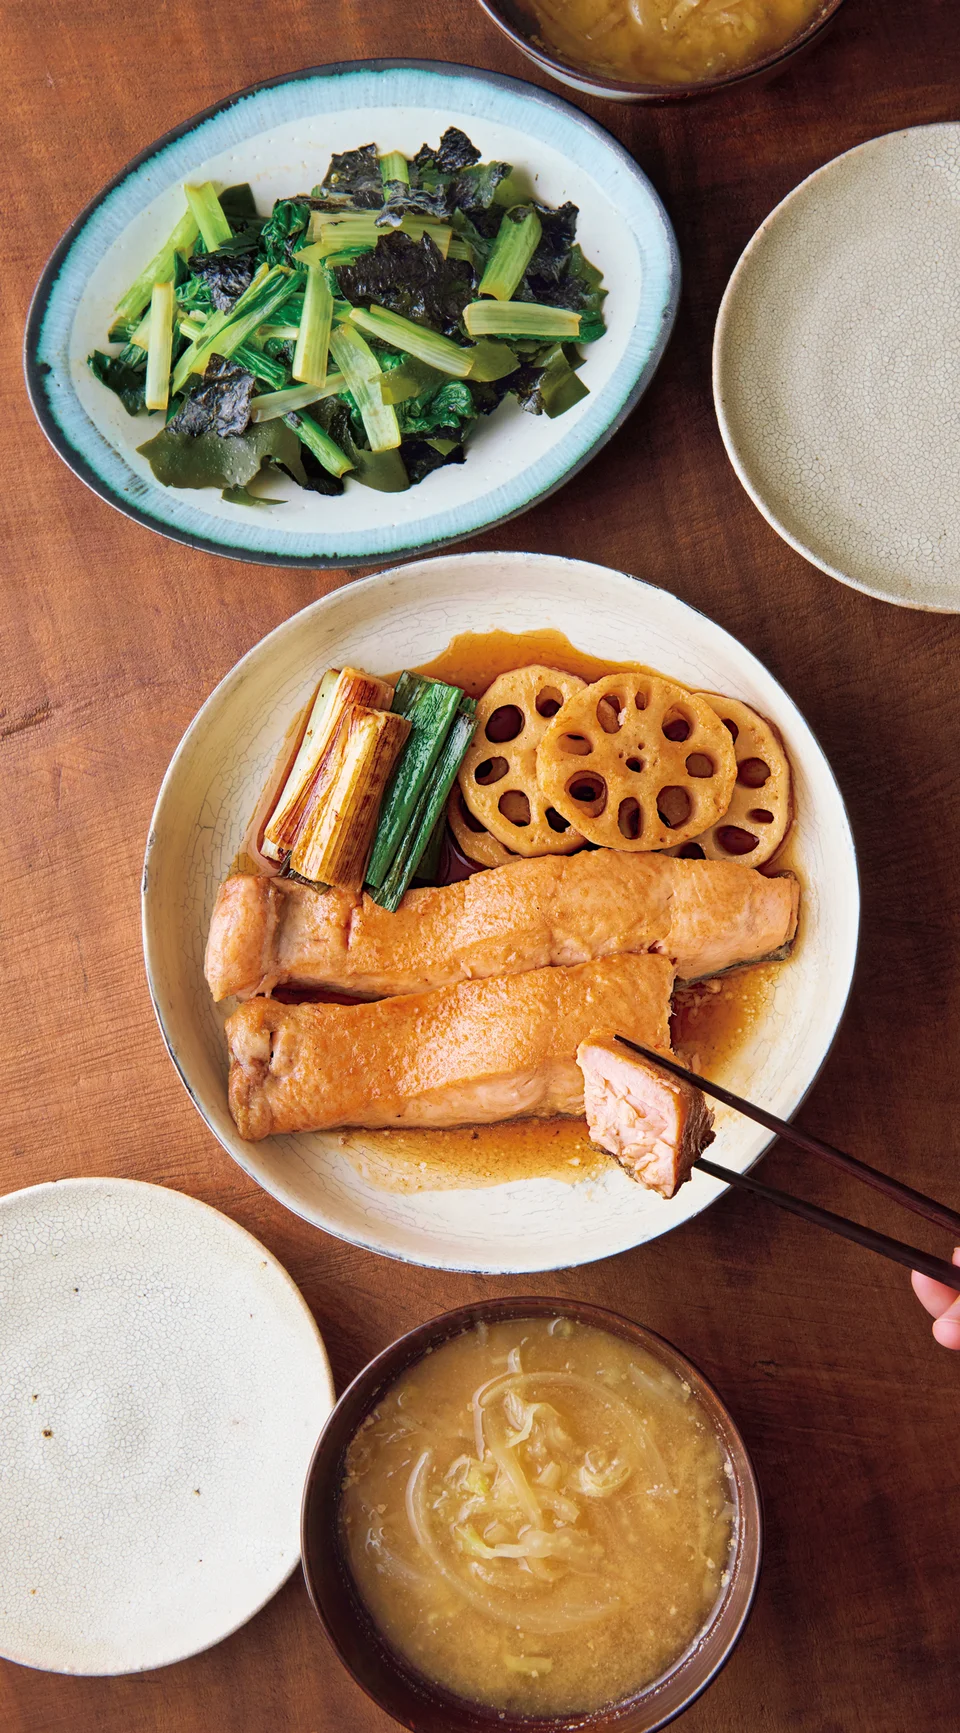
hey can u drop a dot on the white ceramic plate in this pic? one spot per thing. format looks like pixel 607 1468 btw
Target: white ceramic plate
pixel 162 1386
pixel 280 136
pixel 836 368
pixel 399 619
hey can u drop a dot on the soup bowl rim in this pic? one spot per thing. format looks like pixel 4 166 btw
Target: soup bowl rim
pixel 396 1686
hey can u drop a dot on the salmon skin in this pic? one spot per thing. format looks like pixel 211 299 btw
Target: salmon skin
pixel 472 1054
pixel 553 910
pixel 655 1125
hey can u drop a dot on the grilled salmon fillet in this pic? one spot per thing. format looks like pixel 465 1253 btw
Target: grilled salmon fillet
pixel 655 1125
pixel 553 910
pixel 472 1054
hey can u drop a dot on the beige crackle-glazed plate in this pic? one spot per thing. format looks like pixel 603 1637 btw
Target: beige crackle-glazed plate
pixel 403 618
pixel 836 368
pixel 162 1386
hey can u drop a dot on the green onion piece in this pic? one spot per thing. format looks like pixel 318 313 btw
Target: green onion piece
pixel 491 360
pixel 273 404
pixel 281 333
pixel 429 807
pixel 393 167
pixel 518 238
pixel 429 706
pixel 361 370
pixel 190 327
pixel 224 332
pixel 160 348
pixel 429 864
pixel 429 346
pixel 313 342
pixel 409 379
pixel 520 319
pixel 325 449
pixel 209 217
pixel 159 270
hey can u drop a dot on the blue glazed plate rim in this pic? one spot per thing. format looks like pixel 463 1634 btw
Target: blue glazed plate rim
pixel 37 370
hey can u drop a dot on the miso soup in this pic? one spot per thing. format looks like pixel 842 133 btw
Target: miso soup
pixel 539 1516
pixel 670 41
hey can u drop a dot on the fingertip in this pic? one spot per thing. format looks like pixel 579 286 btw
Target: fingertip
pixel 946 1331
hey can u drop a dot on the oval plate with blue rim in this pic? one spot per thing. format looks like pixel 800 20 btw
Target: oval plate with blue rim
pixel 280 136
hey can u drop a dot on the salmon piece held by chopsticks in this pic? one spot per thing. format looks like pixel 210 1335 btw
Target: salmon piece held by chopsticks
pixel 655 1125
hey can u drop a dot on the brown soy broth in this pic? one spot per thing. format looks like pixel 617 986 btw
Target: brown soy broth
pixel 711 1020
pixel 595 1472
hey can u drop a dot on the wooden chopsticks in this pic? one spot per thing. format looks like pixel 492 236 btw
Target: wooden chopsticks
pixel 910 1256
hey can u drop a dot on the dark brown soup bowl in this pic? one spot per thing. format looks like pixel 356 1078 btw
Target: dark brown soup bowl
pixel 518 22
pixel 396 1686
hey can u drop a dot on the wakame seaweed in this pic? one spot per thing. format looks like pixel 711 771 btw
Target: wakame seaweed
pixel 437 216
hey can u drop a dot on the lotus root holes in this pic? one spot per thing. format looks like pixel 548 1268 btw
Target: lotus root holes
pixel 515 807
pixel 467 816
pixel 731 727
pixel 555 820
pixel 674 806
pixel 676 726
pixel 576 745
pixel 491 770
pixel 760 815
pixel 610 714
pixel 590 792
pixel 549 700
pixel 699 764
pixel 735 841
pixel 753 772
pixel 629 819
pixel 505 724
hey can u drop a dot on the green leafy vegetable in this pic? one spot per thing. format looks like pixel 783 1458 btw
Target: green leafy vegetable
pixel 160 270
pixel 156 393
pixel 516 242
pixel 284 229
pixel 326 451
pixel 450 408
pixel 125 380
pixel 414 339
pixel 520 319
pixel 209 215
pixel 361 370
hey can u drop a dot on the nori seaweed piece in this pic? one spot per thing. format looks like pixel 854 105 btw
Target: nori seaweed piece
pixel 411 278
pixel 220 404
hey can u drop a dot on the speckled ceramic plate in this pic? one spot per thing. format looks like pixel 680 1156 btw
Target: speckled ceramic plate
pixel 279 136
pixel 400 619
pixel 162 1386
pixel 836 368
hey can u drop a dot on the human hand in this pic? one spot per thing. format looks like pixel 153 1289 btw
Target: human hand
pixel 942 1303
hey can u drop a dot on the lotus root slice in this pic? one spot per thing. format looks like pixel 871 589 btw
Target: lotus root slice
pixel 498 777
pixel 760 813
pixel 472 839
pixel 637 762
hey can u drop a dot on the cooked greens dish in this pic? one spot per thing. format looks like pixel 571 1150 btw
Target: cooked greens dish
pixel 357 332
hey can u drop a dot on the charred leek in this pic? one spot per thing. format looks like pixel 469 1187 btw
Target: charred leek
pixel 333 843
pixel 339 690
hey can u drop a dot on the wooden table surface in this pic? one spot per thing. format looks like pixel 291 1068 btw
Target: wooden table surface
pixel 112 638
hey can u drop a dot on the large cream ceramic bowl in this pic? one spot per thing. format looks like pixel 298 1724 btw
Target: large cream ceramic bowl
pixel 399 619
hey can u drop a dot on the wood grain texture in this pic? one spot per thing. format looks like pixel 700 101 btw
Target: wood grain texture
pixel 110 638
